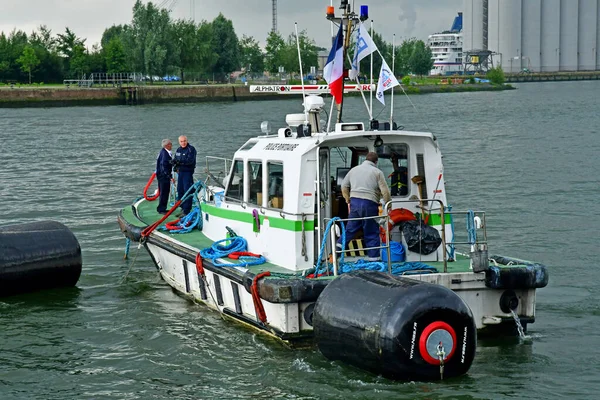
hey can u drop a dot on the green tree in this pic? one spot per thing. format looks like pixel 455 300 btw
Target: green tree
pixel 496 75
pixel 28 61
pixel 225 43
pixel 149 40
pixel 115 31
pixel 68 46
pixel 51 68
pixel 421 61
pixel 11 48
pixel 79 63
pixel 274 52
pixel 208 57
pixel 44 39
pixel 251 56
pixel 308 52
pixel 193 49
pixel 404 54
pixel 114 56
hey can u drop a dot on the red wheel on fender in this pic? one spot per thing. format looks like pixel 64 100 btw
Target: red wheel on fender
pixel 435 333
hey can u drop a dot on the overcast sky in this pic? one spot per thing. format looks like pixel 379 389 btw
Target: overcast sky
pixel 89 18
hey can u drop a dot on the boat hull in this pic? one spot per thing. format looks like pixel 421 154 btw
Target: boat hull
pixel 288 301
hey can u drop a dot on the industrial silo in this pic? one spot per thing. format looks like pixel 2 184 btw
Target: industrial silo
pixel 472 25
pixel 550 33
pixel 542 35
pixel 596 50
pixel 504 30
pixel 531 21
pixel 587 35
pixel 569 32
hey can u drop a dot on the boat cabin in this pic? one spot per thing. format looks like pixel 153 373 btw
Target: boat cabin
pixel 281 190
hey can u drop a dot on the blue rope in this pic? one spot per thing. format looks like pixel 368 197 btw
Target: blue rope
pixel 344 267
pixel 324 242
pixel 194 218
pixel 127 244
pixel 451 246
pixel 471 227
pixel 187 223
pixel 234 244
pixel 397 269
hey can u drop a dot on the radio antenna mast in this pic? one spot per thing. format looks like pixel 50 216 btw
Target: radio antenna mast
pixel 274 16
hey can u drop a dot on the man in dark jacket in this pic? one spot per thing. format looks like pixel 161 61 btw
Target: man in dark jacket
pixel 185 164
pixel 164 175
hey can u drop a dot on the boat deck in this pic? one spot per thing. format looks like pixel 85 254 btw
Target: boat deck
pixel 147 215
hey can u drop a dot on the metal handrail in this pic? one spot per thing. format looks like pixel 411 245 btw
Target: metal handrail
pixel 386 217
pixel 443 214
pixel 333 240
pixel 387 208
pixel 225 161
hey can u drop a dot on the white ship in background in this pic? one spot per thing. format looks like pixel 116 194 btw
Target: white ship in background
pixel 447 49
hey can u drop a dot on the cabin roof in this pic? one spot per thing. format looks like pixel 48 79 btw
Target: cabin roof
pixel 277 148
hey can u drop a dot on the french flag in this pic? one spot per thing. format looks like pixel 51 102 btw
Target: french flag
pixel 334 69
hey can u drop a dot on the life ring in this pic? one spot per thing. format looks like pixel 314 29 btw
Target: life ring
pixel 151 198
pixel 398 215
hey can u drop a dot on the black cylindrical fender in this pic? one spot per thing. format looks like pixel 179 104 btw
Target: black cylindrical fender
pixel 38 255
pixel 394 326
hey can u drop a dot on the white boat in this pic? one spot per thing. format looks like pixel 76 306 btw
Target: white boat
pixel 447 49
pixel 413 315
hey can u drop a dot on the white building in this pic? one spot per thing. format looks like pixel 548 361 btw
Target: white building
pixel 541 35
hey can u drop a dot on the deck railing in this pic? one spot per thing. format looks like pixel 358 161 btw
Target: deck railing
pixel 478 245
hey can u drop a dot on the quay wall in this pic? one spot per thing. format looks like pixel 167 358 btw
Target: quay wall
pixel 75 96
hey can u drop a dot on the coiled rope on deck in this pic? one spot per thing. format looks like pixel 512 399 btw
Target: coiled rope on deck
pixel 230 246
pixel 191 192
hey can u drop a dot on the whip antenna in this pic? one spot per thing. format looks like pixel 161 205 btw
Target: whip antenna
pixel 301 75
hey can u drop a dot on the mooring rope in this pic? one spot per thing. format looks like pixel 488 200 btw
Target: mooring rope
pixel 232 245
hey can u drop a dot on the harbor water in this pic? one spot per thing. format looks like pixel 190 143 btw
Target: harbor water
pixel 528 157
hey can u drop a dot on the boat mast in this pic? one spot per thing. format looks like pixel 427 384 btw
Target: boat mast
pixel 346 19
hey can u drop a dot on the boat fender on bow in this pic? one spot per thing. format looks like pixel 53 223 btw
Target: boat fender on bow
pixel 394 326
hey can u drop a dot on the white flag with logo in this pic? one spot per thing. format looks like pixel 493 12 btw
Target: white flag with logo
pixel 364 47
pixel 386 81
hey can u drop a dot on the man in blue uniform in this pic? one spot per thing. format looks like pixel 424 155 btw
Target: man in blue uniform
pixel 164 175
pixel 185 164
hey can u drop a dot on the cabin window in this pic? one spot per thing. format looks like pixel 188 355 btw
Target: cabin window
pixel 393 161
pixel 256 180
pixel 248 145
pixel 275 174
pixel 235 188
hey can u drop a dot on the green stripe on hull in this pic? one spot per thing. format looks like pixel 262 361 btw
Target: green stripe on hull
pixel 436 219
pixel 274 222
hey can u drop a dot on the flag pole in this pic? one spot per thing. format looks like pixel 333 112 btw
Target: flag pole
pixel 393 73
pixel 361 92
pixel 371 94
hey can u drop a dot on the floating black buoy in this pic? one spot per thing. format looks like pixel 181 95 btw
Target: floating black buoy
pixel 38 255
pixel 395 326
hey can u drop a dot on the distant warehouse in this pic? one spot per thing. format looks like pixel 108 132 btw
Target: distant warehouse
pixel 536 35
